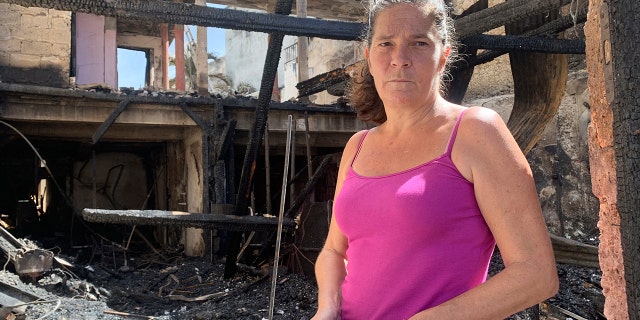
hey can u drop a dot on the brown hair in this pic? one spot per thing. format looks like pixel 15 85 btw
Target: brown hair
pixel 362 92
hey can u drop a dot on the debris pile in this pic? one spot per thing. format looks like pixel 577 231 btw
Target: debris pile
pixel 146 284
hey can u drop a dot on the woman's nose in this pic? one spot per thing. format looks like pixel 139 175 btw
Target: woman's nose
pixel 401 57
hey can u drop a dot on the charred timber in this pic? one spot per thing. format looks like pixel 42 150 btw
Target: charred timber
pixel 321 82
pixel 461 74
pixel 185 219
pixel 504 13
pixel 308 188
pixel 523 43
pixel 326 80
pixel 110 120
pixel 189 14
pixel 269 73
pixel 161 99
pixel 559 25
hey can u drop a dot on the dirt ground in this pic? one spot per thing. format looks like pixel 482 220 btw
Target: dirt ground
pixel 169 285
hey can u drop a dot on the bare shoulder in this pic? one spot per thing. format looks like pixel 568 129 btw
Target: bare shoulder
pixel 352 145
pixel 476 118
pixel 349 151
pixel 484 143
pixel 483 127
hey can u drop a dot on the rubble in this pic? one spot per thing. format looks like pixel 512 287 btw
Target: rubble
pixel 142 284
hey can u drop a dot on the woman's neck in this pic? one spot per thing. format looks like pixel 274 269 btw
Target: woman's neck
pixel 403 117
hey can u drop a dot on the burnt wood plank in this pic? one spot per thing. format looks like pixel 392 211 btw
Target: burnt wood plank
pixel 185 219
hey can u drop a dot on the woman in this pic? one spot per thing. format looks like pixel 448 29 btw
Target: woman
pixel 423 198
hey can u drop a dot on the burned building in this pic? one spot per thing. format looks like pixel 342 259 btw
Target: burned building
pixel 71 139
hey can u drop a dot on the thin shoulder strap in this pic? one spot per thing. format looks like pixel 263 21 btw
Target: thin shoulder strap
pixel 454 133
pixel 359 146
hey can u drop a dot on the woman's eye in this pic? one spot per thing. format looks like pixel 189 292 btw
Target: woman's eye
pixel 421 44
pixel 384 44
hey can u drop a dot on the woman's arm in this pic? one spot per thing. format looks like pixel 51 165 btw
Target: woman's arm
pixel 330 264
pixel 486 154
pixel 330 273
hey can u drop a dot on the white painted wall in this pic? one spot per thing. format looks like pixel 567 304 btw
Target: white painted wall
pixel 246 53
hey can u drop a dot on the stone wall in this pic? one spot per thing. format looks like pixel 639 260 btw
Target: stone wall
pixel 560 162
pixel 35 45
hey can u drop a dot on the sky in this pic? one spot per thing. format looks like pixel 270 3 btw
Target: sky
pixel 132 64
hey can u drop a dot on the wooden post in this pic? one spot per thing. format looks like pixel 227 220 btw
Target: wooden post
pixel 267 168
pixel 612 34
pixel 303 48
pixel 178 30
pixel 164 37
pixel 292 173
pixel 202 67
pixel 308 143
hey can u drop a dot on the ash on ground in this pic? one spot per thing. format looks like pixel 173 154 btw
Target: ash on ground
pixel 180 287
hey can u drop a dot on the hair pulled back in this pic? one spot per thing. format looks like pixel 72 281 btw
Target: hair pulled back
pixel 362 92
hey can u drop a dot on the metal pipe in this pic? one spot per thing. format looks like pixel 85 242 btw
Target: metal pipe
pixel 283 196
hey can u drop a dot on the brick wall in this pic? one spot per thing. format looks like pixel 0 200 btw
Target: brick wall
pixel 35 45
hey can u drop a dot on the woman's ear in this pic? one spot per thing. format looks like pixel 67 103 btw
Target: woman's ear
pixel 445 55
pixel 367 57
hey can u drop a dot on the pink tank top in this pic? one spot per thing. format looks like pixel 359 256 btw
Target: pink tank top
pixel 416 239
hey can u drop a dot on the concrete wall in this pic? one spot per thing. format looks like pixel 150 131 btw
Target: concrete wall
pixel 121 182
pixel 245 56
pixel 289 58
pixel 35 45
pixel 96 50
pixel 218 81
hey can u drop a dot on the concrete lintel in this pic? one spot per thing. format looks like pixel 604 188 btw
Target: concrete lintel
pixel 318 122
pixel 84 132
pixel 84 111
pixel 165 115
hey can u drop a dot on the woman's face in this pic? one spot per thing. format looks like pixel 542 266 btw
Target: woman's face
pixel 406 56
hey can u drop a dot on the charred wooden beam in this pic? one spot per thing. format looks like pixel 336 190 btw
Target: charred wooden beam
pixel 524 43
pixel 189 14
pixel 204 126
pixel 308 188
pixel 574 252
pixel 283 8
pixel 12 295
pixel 539 80
pixel 460 72
pixel 220 220
pixel 326 80
pixel 110 120
pixel 168 99
pixel 502 14
pixel 559 25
